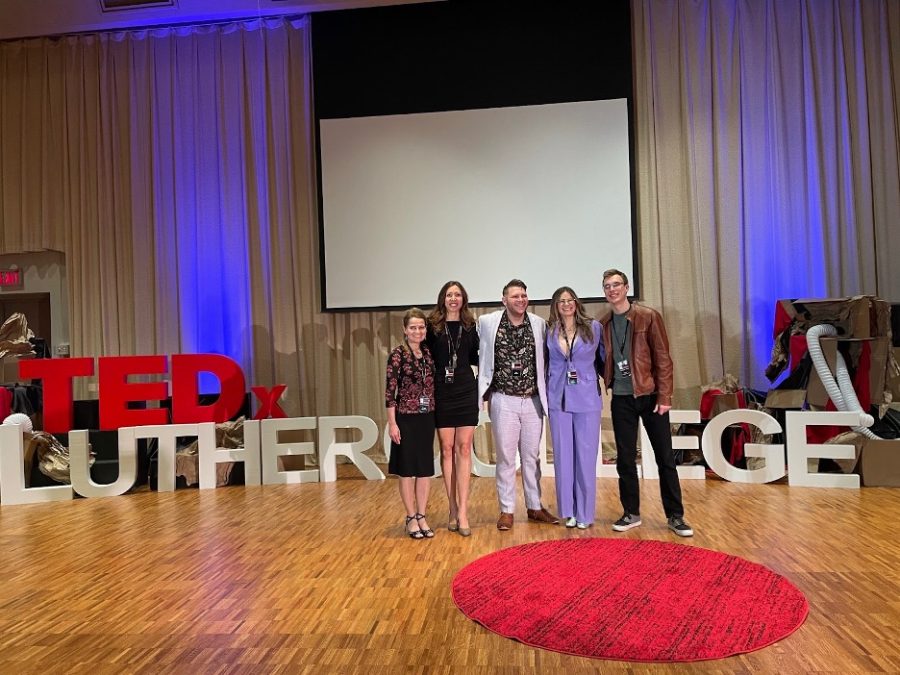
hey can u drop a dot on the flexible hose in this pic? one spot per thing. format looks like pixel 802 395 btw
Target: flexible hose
pixel 849 393
pixel 840 391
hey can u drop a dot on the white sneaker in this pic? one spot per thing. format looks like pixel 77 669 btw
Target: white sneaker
pixel 570 522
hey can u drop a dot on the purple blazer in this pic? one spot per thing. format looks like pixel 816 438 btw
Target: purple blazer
pixel 581 397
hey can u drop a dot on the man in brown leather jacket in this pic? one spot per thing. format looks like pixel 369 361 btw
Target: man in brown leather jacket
pixel 638 369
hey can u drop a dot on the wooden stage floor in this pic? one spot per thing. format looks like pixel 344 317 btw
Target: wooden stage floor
pixel 320 578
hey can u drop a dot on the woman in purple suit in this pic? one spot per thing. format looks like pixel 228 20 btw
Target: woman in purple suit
pixel 575 348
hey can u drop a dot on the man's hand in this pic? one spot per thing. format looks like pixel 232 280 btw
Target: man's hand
pixel 661 409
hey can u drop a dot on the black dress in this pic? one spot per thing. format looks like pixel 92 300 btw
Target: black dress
pixel 409 388
pixel 456 403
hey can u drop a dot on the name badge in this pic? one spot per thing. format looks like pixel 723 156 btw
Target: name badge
pixel 424 403
pixel 624 368
pixel 448 375
pixel 518 367
pixel 571 377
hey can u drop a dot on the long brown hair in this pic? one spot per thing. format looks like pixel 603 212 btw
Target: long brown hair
pixel 582 320
pixel 438 316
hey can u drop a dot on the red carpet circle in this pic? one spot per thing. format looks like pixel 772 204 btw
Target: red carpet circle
pixel 629 600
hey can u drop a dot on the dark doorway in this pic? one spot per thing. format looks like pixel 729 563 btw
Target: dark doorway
pixel 35 307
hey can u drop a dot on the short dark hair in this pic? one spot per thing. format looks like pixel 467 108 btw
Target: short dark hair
pixel 514 282
pixel 613 272
pixel 413 313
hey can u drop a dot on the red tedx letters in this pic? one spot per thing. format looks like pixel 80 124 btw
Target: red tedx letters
pixel 116 391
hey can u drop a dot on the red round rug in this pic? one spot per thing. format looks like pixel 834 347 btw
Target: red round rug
pixel 629 600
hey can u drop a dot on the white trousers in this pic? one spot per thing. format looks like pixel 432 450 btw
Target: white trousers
pixel 517 424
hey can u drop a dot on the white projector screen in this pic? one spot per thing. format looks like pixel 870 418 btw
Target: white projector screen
pixel 541 193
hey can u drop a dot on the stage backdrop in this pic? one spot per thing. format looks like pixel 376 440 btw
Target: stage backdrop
pixel 768 136
pixel 174 169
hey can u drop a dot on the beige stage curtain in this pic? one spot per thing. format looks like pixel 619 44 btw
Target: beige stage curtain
pixel 174 168
pixel 767 144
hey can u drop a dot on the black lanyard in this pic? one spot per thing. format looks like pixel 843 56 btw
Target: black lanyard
pixel 453 350
pixel 418 364
pixel 569 347
pixel 624 337
pixel 520 338
pixel 422 369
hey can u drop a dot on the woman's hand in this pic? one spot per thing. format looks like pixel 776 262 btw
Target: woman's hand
pixel 394 432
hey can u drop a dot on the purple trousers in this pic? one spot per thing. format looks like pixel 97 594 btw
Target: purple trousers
pixel 576 441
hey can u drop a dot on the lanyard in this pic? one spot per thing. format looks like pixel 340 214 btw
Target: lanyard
pixel 569 347
pixel 624 337
pixel 517 336
pixel 418 364
pixel 453 350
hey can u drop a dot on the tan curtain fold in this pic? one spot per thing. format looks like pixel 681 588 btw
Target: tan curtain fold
pixel 174 167
pixel 767 167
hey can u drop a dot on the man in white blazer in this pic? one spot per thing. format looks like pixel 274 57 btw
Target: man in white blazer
pixel 511 380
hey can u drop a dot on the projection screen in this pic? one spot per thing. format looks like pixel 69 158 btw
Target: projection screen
pixel 539 192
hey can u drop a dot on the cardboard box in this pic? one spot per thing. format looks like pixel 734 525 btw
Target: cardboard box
pixel 879 463
pixel 9 368
pixel 791 399
pixel 724 402
pixel 862 316
pixel 892 375
pixel 881 317
pixel 879 349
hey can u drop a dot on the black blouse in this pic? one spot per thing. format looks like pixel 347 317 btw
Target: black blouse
pixel 458 340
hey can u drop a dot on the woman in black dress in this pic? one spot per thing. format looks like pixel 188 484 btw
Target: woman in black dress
pixel 453 341
pixel 409 398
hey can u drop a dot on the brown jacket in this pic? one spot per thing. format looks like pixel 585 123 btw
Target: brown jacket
pixel 651 365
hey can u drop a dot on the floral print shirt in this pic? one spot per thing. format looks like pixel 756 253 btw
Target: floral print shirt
pixel 408 380
pixel 515 369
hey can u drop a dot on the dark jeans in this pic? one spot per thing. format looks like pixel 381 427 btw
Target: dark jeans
pixel 626 410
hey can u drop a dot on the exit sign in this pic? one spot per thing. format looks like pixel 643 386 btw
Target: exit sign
pixel 11 277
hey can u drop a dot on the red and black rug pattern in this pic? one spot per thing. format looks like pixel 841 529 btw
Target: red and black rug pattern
pixel 629 600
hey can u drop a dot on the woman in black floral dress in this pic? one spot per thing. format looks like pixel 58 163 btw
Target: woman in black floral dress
pixel 409 397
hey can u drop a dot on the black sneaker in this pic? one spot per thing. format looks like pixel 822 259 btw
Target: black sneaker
pixel 680 527
pixel 626 522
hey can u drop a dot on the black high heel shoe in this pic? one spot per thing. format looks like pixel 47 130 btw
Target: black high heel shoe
pixel 429 533
pixel 414 534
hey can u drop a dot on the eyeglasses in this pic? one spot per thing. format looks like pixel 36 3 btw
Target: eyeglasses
pixel 568 301
pixel 614 284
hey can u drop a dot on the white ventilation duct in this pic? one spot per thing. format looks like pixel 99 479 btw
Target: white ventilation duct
pixel 841 391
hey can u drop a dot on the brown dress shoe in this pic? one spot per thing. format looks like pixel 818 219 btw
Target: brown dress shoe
pixel 505 521
pixel 542 515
